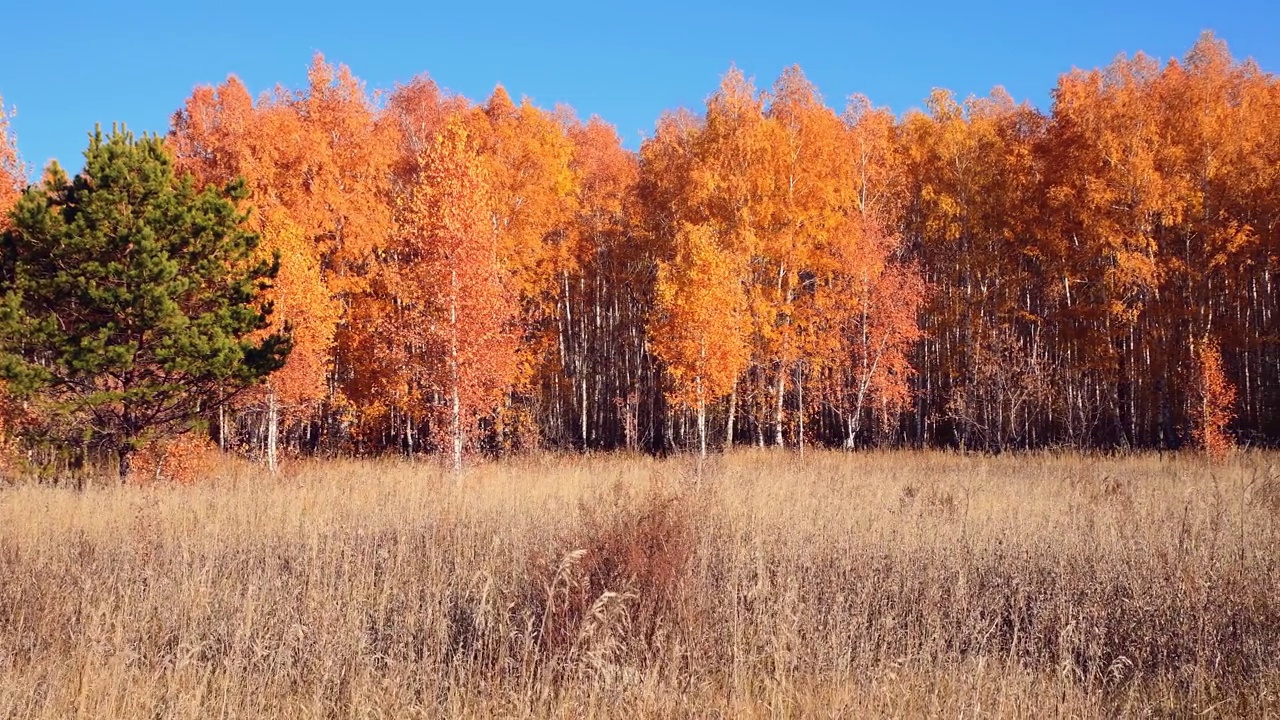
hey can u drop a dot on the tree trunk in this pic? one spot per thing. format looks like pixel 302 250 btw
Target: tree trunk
pixel 733 413
pixel 850 440
pixel 800 400
pixel 125 455
pixel 457 426
pixel 702 429
pixel 273 431
pixel 455 375
pixel 583 414
pixel 128 443
pixel 760 409
pixel 777 418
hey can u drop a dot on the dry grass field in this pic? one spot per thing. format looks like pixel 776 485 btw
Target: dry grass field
pixel 837 585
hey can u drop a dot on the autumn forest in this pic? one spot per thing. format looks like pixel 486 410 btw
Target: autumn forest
pixel 492 277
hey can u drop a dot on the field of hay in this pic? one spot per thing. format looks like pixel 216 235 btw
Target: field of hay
pixel 759 585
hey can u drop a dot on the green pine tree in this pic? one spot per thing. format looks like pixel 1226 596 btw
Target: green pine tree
pixel 131 301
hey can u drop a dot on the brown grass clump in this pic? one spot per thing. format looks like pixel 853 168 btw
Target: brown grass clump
pixel 614 583
pixel 881 584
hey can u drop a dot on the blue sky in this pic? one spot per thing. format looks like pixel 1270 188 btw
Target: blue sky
pixel 70 64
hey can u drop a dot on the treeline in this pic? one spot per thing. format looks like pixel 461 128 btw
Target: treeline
pixel 495 277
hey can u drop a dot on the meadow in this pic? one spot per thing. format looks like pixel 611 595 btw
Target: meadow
pixel 760 584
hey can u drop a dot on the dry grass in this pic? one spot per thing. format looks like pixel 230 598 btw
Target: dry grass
pixel 891 584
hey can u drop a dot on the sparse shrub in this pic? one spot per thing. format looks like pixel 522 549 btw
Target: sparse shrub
pixel 620 568
pixel 1215 399
pixel 182 459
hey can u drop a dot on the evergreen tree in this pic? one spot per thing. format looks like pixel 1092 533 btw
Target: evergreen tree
pixel 130 300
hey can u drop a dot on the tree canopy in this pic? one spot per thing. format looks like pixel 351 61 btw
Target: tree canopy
pixel 489 276
pixel 131 300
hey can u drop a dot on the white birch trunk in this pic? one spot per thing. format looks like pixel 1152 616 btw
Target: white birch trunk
pixel 273 431
pixel 455 373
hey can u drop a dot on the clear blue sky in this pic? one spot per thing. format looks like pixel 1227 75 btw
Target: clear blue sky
pixel 70 64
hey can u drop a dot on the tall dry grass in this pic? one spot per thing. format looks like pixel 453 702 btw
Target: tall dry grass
pixel 892 584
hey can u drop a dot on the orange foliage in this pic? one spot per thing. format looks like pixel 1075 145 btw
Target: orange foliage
pixel 604 176
pixel 776 194
pixel 700 319
pixel 12 173
pixel 316 163
pixel 1215 401
pixel 776 265
pixel 389 346
pixel 185 459
pixel 527 157
pixel 459 284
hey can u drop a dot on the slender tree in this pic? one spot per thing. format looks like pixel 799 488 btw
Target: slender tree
pixel 1215 398
pixel 699 323
pixel 445 217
